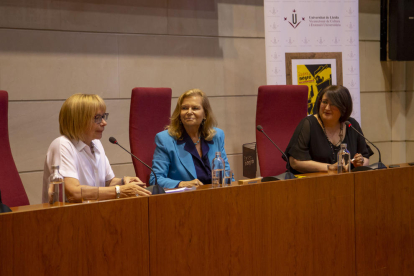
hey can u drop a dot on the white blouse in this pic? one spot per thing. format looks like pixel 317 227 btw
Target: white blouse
pixel 76 160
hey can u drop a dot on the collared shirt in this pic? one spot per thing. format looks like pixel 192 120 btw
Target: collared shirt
pixel 201 164
pixel 76 160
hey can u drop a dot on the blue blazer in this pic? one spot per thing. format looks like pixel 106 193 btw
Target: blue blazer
pixel 172 164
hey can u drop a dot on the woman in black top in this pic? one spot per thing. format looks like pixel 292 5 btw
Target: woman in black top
pixel 317 139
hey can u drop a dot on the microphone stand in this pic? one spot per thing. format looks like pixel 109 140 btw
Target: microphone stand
pixel 154 189
pixel 376 166
pixel 282 176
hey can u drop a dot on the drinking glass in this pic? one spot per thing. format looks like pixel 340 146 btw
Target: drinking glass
pixel 333 169
pixel 228 176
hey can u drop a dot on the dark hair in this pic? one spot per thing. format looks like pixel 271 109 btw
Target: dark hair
pixel 340 97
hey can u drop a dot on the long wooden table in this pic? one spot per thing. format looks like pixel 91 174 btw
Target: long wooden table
pixel 349 224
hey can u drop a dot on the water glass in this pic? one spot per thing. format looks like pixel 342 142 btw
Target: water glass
pixel 333 169
pixel 89 194
pixel 228 176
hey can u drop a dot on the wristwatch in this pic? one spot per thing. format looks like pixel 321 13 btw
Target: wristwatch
pixel 118 191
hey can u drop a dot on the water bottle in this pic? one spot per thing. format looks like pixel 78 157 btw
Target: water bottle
pixel 217 172
pixel 344 159
pixel 56 191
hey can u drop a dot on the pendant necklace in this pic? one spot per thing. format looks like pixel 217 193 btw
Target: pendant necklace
pixel 198 141
pixel 329 141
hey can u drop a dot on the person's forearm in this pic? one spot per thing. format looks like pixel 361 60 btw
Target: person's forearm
pixel 309 166
pixel 165 182
pixel 107 193
pixel 366 161
pixel 104 193
pixel 113 182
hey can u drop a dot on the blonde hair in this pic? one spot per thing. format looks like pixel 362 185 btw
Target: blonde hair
pixel 77 113
pixel 175 128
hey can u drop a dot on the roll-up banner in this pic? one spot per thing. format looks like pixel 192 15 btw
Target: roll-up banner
pixel 313 43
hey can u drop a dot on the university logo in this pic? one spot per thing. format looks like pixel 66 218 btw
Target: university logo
pixel 336 40
pixel 275 71
pixel 273 11
pixel 275 55
pixel 349 11
pixel 294 23
pixel 306 40
pixel 320 40
pixel 352 70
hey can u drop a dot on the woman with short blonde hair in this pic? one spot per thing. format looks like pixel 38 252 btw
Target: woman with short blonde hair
pixel 80 155
pixel 75 113
pixel 185 150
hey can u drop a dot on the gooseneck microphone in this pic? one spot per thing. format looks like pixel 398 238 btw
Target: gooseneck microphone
pixel 155 189
pixel 375 166
pixel 285 175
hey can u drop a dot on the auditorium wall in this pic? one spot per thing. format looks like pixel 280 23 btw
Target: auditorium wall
pixel 50 50
pixel 386 92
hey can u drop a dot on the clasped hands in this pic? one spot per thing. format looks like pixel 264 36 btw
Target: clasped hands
pixel 133 187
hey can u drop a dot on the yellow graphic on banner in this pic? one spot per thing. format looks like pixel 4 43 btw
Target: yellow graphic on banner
pixel 316 77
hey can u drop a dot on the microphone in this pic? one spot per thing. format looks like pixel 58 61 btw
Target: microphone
pixel 285 175
pixel 375 166
pixel 154 189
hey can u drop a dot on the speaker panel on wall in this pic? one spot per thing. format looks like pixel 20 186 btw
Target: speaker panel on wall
pixel 401 30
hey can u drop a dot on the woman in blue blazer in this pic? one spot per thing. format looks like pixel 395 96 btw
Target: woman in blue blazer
pixel 185 151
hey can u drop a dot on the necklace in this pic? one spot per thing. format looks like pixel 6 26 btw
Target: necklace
pixel 198 141
pixel 329 141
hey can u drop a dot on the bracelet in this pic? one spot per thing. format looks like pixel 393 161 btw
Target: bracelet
pixel 118 191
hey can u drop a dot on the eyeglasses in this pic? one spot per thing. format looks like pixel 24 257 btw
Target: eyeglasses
pixel 326 102
pixel 98 118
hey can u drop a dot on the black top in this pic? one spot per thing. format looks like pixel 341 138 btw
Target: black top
pixel 309 142
pixel 201 164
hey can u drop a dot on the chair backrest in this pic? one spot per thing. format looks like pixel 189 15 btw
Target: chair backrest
pixel 149 113
pixel 280 108
pixel 11 186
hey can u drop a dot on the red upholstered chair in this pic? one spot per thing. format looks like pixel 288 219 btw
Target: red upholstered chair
pixel 149 113
pixel 280 108
pixel 11 186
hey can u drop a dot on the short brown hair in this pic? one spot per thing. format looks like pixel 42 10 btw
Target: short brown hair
pixel 77 113
pixel 340 97
pixel 175 128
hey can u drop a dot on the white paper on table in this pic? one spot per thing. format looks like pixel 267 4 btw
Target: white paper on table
pixel 180 190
